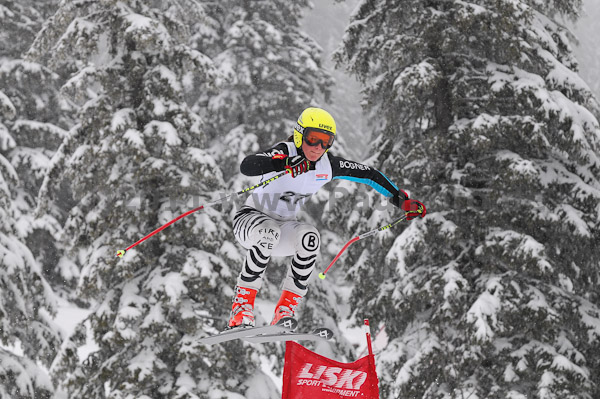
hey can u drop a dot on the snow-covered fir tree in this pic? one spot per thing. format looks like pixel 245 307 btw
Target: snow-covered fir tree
pixel 28 336
pixel 480 113
pixel 37 128
pixel 137 158
pixel 21 20
pixel 269 70
pixel 28 111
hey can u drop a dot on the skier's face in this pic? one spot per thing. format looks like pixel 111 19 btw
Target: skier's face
pixel 315 142
pixel 312 153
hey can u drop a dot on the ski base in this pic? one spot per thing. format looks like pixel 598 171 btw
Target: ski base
pixel 318 334
pixel 285 324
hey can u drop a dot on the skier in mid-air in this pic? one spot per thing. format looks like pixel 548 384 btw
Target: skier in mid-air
pixel 266 225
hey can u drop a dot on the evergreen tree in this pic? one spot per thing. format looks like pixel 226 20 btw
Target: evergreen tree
pixel 21 20
pixel 481 113
pixel 270 70
pixel 27 303
pixel 27 133
pixel 137 158
pixel 35 132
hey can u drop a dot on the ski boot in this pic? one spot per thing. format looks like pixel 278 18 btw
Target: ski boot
pixel 242 314
pixel 287 305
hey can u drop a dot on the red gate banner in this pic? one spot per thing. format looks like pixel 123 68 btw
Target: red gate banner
pixel 309 375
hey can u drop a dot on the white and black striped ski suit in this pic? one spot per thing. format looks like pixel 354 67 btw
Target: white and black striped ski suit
pixel 266 225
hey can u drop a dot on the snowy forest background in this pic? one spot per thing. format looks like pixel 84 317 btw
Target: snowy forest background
pixel 117 116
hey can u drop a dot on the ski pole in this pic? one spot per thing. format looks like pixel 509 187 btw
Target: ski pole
pixel 121 252
pixel 360 237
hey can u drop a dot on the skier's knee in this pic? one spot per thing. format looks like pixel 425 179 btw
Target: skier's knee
pixel 308 240
pixel 267 235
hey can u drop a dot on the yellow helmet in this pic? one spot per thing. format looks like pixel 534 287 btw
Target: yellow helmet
pixel 314 119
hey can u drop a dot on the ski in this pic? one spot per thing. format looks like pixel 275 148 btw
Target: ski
pixel 318 334
pixel 285 324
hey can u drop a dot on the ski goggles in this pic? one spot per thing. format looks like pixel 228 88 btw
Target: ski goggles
pixel 313 137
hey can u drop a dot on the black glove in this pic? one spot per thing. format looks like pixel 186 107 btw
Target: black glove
pixel 296 165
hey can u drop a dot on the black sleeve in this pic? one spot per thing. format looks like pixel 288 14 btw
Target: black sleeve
pixel 261 163
pixel 355 171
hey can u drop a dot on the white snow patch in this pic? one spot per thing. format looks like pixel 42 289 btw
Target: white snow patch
pixel 453 279
pixel 483 311
pixel 134 137
pixel 591 318
pixel 171 284
pixel 144 362
pixel 165 130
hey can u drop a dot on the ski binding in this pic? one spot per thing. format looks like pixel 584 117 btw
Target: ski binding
pixel 285 324
pixel 318 334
